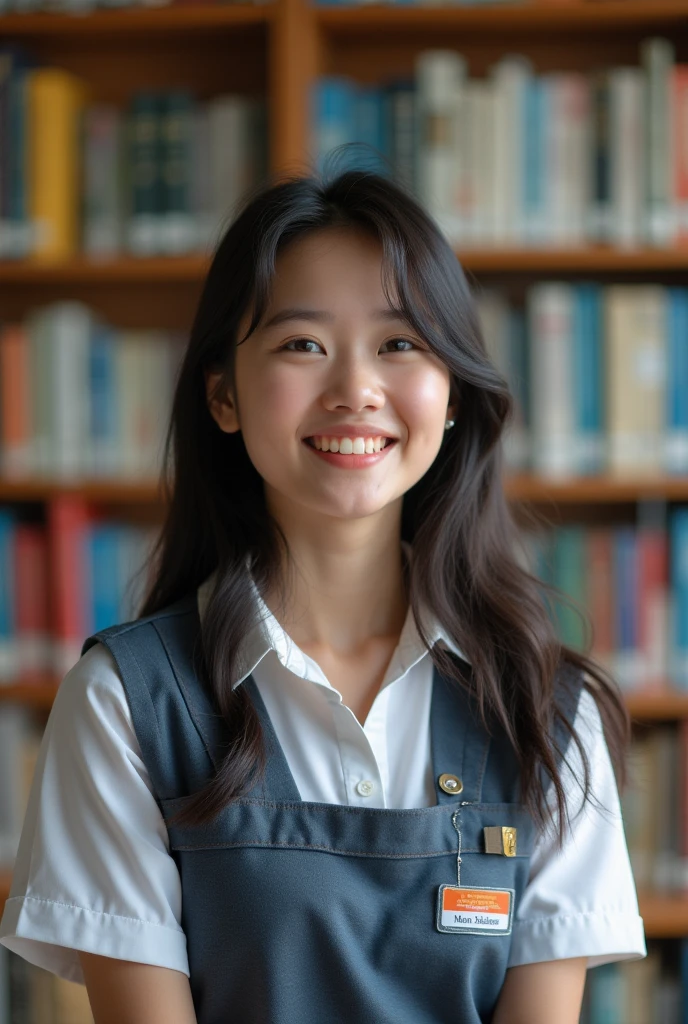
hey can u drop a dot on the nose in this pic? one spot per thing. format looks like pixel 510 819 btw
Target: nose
pixel 354 384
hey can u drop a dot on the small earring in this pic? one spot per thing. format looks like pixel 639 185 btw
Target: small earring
pixel 449 424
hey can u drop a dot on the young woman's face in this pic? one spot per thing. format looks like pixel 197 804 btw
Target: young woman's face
pixel 329 353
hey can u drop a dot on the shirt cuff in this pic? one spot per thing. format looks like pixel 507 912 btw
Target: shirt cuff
pixel 602 936
pixel 50 934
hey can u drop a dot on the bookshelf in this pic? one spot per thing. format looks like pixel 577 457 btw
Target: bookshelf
pixel 280 48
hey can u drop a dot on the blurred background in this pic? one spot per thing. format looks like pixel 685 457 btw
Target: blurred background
pixel 550 141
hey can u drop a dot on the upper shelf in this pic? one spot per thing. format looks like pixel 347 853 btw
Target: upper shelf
pixel 536 15
pixel 168 20
pixel 191 269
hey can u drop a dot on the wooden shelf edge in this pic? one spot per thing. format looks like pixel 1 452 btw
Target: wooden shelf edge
pixel 144 492
pixel 665 915
pixel 602 489
pixel 537 15
pixel 164 20
pixel 596 490
pixel 192 268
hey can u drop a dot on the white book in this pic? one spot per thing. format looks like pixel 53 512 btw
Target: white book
pixel 440 81
pixel 658 57
pixel 567 173
pixel 510 76
pixel 626 155
pixel 480 95
pixel 636 353
pixel 550 317
pixel 229 134
pixel 70 328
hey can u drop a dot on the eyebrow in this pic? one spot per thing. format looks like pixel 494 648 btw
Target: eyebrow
pixel 321 316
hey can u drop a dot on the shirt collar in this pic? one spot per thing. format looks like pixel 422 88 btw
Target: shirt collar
pixel 268 635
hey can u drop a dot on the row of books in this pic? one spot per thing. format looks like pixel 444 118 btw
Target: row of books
pixel 158 177
pixel 62 580
pixel 79 398
pixel 633 583
pixel 649 991
pixel 520 158
pixel 32 995
pixel 655 807
pixel 599 377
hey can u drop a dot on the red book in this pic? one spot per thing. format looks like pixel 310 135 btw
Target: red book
pixel 653 611
pixel 15 428
pixel 600 577
pixel 31 603
pixel 68 530
pixel 679 98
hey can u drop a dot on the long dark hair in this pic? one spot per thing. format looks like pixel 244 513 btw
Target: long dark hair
pixel 464 566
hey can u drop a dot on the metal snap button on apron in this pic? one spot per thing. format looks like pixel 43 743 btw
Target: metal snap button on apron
pixel 450 783
pixel 365 787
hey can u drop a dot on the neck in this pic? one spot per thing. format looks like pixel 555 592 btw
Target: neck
pixel 346 581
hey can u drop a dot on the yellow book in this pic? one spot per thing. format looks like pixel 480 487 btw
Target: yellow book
pixel 55 102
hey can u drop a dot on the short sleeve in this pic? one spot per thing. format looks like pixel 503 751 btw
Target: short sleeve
pixel 581 900
pixel 93 870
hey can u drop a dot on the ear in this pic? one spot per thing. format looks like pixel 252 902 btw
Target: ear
pixel 222 408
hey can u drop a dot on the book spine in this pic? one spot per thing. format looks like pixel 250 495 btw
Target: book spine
pixel 103 199
pixel 177 228
pixel 658 58
pixel 680 149
pixel 144 159
pixel 550 315
pixel 8 647
pixel 32 626
pixel 676 455
pixel 627 158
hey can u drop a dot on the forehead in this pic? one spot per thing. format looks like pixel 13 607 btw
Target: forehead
pixel 330 262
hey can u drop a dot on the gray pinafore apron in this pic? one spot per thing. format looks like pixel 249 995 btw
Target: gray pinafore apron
pixel 315 913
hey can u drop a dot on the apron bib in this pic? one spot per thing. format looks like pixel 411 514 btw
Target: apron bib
pixel 305 913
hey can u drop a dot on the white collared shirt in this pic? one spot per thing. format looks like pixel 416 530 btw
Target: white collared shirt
pixel 94 871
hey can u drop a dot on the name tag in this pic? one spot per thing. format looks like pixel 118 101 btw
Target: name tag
pixel 474 911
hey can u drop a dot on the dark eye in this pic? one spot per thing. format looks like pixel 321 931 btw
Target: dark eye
pixel 294 341
pixel 405 341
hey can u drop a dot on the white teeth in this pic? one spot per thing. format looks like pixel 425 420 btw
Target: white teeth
pixel 350 445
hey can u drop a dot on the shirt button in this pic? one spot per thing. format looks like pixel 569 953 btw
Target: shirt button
pixel 365 787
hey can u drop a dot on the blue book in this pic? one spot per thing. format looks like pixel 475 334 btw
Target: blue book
pixel 534 154
pixel 104 419
pixel 677 382
pixel 103 543
pixel 371 130
pixel 401 116
pixel 570 577
pixel 678 560
pixel 335 118
pixel 588 384
pixel 625 558
pixel 8 649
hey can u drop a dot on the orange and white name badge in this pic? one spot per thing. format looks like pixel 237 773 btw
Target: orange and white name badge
pixel 474 911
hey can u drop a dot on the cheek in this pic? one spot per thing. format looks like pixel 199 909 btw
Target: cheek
pixel 425 400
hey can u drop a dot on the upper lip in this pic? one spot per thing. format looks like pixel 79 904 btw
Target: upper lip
pixel 351 430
